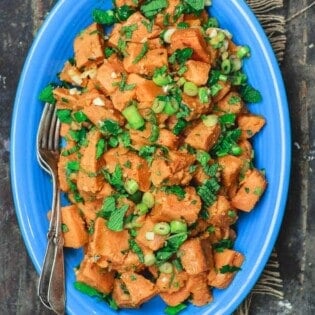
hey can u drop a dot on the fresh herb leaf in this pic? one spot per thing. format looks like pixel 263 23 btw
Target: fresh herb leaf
pixel 148 25
pixel 106 17
pixel 147 152
pixel 184 111
pixel 122 47
pixel 123 86
pixel 174 310
pixel 180 125
pixel 116 178
pixel 172 245
pixel 227 119
pixel 123 13
pixel 151 8
pixel 46 95
pixel 110 127
pixel 128 30
pixel 136 249
pixel 90 291
pixel 229 269
pixel 196 5
pixel 125 139
pixel 223 244
pixel 72 167
pixel 108 51
pixel 143 52
pixel 64 115
pixel 116 219
pixel 79 116
pixel 100 148
pixel 109 205
pixel 155 133
pixel 181 55
pixel 250 94
pixel 64 228
pixel 208 191
pixel 226 141
pixel 176 190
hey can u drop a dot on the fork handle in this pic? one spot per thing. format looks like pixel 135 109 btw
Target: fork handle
pixel 51 288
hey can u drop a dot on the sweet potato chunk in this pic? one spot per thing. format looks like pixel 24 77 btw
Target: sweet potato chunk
pixel 109 74
pixel 157 241
pixel 250 191
pixel 97 114
pixel 147 91
pixel 175 298
pixel 197 72
pixel 171 282
pixel 196 256
pixel 132 165
pixel 172 171
pixel 221 213
pixel 225 88
pixel 168 207
pixel 88 178
pixel 89 46
pixel 168 139
pixel 108 246
pixel 192 38
pixel 250 124
pixel 120 295
pixel 231 103
pixel 95 276
pixel 197 108
pixel 202 137
pixel 140 33
pixel 74 231
pixel 155 58
pixel 199 289
pixel 221 276
pixel 139 288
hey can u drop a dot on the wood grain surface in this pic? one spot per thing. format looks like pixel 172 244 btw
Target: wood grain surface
pixel 19 21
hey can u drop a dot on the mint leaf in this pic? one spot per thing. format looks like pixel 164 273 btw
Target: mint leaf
pixel 100 148
pixel 153 7
pixel 116 219
pixel 46 95
pixel 197 5
pixel 250 94
pixel 176 190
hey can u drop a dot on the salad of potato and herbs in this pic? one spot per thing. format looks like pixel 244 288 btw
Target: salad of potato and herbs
pixel 157 162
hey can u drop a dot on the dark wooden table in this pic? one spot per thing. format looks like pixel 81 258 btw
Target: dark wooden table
pixel 19 21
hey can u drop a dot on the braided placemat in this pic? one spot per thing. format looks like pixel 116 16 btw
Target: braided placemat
pixel 269 14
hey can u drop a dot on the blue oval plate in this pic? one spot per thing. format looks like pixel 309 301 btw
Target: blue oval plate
pixel 257 231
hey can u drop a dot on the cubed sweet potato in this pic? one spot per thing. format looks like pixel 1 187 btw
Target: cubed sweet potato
pixel 231 103
pixel 191 38
pixel 251 189
pixel 169 207
pixel 196 256
pixel 74 231
pixel 89 46
pixel 250 124
pixel 199 289
pixel 221 276
pixel 197 72
pixel 95 276
pixel 203 137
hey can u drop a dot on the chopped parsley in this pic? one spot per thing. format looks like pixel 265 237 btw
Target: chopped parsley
pixel 46 95
pixel 175 190
pixel 143 52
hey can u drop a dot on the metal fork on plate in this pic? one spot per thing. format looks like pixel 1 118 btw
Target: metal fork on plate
pixel 51 287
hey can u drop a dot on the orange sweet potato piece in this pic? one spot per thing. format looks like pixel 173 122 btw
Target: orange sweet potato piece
pixel 147 91
pixel 199 289
pixel 108 246
pixel 139 288
pixel 197 72
pixel 120 295
pixel 197 108
pixel 202 137
pixel 231 103
pixel 175 298
pixel 109 74
pixel 225 88
pixel 250 191
pixel 229 257
pixel 95 276
pixel 89 46
pixel 88 178
pixel 250 124
pixel 196 256
pixel 168 139
pixel 155 58
pixel 172 171
pixel 220 213
pixel 158 240
pixel 171 282
pixel 192 38
pixel 74 232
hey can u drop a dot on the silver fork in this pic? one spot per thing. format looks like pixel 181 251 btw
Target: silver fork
pixel 51 287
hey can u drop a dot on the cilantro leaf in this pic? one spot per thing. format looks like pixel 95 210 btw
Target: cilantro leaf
pixel 64 115
pixel 197 5
pixel 100 148
pixel 223 244
pixel 181 55
pixel 110 127
pixel 142 53
pixel 109 205
pixel 106 17
pixel 208 191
